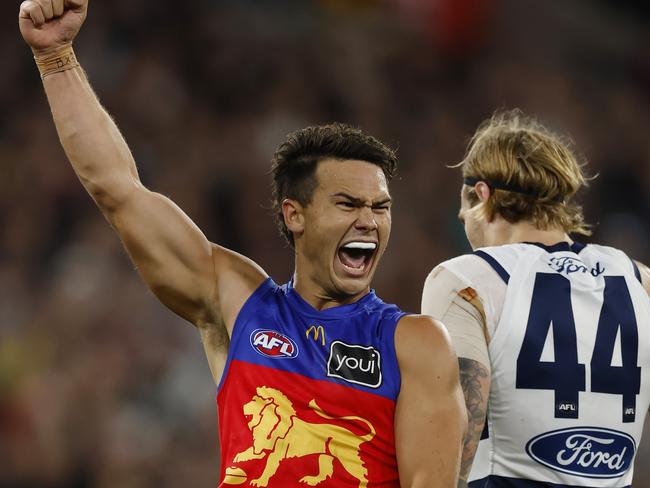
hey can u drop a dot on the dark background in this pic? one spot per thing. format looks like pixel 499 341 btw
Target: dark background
pixel 100 386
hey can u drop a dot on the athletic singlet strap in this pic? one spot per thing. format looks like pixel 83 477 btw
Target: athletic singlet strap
pixel 505 276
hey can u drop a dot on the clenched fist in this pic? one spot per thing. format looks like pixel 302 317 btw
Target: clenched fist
pixel 50 24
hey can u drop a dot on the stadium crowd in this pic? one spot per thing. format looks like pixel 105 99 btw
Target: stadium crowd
pixel 100 386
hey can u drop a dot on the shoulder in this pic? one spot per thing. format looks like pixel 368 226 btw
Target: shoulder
pixel 469 268
pixel 613 255
pixel 644 271
pixel 603 249
pixel 238 264
pixel 422 327
pixel 421 341
pixel 464 261
pixel 238 277
pixel 447 279
pixel 622 259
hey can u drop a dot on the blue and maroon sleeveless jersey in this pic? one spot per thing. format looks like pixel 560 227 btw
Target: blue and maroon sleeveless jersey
pixel 308 397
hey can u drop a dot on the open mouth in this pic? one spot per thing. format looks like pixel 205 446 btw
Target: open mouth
pixel 357 256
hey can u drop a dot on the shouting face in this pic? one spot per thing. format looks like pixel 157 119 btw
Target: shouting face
pixel 342 233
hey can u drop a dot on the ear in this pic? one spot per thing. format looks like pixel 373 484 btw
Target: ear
pixel 483 191
pixel 294 218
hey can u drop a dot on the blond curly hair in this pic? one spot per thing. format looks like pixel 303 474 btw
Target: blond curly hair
pixel 532 172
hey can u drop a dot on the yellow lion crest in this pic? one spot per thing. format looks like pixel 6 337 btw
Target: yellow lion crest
pixel 279 434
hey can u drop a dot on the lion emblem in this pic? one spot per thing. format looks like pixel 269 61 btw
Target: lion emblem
pixel 279 434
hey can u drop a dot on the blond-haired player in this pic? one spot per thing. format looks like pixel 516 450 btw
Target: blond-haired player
pixel 553 336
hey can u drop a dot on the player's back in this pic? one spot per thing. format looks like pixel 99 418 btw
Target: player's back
pixel 569 354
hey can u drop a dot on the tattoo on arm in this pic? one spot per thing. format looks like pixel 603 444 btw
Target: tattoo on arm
pixel 473 377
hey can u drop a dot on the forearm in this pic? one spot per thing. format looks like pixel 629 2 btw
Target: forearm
pixel 430 456
pixel 475 382
pixel 92 142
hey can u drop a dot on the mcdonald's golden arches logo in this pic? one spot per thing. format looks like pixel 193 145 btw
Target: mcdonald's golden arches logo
pixel 318 331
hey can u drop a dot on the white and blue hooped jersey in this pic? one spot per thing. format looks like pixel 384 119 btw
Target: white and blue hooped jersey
pixel 570 360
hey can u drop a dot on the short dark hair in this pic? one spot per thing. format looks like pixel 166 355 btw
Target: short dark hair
pixel 295 161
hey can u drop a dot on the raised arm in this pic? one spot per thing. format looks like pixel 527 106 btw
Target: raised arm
pixel 201 282
pixel 446 298
pixel 430 420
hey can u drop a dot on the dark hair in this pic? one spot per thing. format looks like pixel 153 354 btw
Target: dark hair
pixel 295 161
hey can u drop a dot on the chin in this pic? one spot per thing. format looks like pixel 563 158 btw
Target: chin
pixel 350 287
pixel 357 287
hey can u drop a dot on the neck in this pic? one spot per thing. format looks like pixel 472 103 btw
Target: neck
pixel 501 232
pixel 308 283
pixel 318 297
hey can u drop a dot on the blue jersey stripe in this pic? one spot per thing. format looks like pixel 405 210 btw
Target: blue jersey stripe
pixel 505 276
pixel 576 247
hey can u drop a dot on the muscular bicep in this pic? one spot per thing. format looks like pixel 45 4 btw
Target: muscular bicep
pixel 201 282
pixel 178 263
pixel 430 420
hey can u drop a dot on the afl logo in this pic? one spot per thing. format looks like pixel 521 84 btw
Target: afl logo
pixel 272 344
pixel 591 452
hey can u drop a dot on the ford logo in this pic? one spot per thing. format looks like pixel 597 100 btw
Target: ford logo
pixel 584 451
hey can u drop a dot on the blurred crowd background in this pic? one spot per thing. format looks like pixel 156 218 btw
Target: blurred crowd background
pixel 100 386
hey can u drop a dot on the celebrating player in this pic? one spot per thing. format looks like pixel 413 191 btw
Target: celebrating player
pixel 552 335
pixel 323 384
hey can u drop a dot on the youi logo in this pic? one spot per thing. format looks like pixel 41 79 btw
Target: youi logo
pixel 591 452
pixel 271 343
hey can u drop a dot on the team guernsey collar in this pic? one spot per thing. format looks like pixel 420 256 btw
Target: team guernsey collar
pixel 364 303
pixel 576 247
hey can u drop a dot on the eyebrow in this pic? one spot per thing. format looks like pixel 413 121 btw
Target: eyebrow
pixel 359 201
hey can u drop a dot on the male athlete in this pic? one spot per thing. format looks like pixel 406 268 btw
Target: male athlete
pixel 553 336
pixel 324 384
